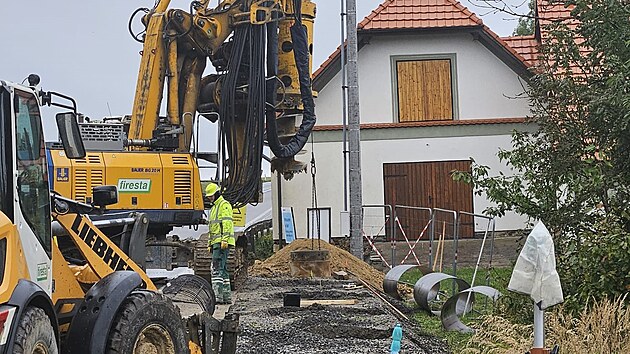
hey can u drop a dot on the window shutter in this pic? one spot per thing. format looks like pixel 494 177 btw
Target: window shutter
pixel 424 90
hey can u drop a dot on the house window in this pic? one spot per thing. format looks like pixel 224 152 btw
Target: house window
pixel 424 89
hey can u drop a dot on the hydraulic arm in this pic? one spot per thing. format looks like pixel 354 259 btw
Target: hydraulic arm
pixel 261 53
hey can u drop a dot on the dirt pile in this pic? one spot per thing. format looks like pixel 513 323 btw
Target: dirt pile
pixel 278 264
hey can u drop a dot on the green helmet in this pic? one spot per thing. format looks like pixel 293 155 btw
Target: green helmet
pixel 211 189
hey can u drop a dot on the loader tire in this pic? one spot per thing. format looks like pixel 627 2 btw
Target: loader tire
pixel 35 333
pixel 147 322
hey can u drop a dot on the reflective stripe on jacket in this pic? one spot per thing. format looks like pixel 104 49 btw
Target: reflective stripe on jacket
pixel 221 224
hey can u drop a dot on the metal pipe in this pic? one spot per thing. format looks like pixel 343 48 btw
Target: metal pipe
pixel 491 221
pixel 539 327
pixel 344 110
pixel 431 238
pixel 494 225
pixel 483 242
pixel 193 83
pixel 280 222
pixel 456 239
pixel 220 150
pixel 168 244
pixel 138 142
pixel 392 223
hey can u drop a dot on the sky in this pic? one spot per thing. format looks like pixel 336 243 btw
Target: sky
pixel 83 48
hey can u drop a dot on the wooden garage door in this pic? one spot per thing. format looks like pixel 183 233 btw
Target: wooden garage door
pixel 428 184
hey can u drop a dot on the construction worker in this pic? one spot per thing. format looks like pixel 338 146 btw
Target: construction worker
pixel 220 239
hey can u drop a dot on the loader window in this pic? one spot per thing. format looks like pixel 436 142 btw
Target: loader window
pixel 31 164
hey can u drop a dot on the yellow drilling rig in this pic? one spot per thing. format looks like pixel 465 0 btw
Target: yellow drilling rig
pixel 68 283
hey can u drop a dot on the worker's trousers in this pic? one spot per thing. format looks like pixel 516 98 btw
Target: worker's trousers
pixel 220 275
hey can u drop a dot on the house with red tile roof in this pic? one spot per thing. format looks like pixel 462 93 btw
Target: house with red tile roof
pixel 436 88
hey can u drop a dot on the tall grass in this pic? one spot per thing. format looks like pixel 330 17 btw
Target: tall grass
pixel 602 328
pixel 497 335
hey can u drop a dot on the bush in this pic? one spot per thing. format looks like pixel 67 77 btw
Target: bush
pixel 595 263
pixel 517 308
pixel 263 245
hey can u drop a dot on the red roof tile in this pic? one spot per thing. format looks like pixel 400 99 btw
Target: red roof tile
pixel 328 61
pixel 526 46
pixel 554 11
pixel 416 14
pixel 426 123
pixel 558 11
pixel 421 14
pixel 506 46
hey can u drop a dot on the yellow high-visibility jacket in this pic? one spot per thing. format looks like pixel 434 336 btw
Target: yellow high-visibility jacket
pixel 221 223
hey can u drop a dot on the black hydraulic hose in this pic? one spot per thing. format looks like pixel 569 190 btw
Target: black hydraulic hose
pixel 301 55
pixel 245 124
pixel 136 37
pixel 297 9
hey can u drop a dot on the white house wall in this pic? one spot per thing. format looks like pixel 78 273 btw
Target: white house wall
pixel 483 148
pixel 486 87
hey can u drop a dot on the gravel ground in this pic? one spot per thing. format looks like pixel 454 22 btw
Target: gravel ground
pixel 270 328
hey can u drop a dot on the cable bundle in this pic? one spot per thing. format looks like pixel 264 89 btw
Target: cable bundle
pixel 243 124
pixel 243 127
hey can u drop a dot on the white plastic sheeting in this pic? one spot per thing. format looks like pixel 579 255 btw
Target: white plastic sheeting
pixel 535 270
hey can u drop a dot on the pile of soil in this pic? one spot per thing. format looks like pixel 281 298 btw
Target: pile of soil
pixel 340 260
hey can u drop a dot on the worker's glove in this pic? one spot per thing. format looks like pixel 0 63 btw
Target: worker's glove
pixel 224 245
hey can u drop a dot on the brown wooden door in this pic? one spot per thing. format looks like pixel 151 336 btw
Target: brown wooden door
pixel 427 184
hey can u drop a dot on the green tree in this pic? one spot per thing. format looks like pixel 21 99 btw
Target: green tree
pixel 526 23
pixel 572 168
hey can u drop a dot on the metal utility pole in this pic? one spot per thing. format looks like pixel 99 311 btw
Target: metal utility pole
pixel 354 136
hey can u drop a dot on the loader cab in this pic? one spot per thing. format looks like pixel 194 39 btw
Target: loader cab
pixel 24 192
pixel 24 189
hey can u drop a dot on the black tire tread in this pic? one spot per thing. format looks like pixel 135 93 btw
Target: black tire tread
pixel 32 317
pixel 134 304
